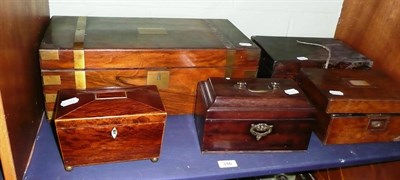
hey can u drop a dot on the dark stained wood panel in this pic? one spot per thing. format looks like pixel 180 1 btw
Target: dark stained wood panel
pixel 373 28
pixel 279 55
pixel 22 24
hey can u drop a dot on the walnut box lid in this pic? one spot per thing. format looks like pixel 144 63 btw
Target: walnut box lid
pixel 351 91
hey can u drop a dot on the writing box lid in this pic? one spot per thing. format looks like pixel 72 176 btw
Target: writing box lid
pixel 254 95
pixel 351 91
pixel 142 33
pixel 109 42
pixel 108 103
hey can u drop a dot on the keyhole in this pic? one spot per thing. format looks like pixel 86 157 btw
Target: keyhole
pixel 376 124
pixel 158 76
pixel 114 133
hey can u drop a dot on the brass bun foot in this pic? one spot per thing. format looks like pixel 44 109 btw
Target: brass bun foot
pixel 154 160
pixel 68 168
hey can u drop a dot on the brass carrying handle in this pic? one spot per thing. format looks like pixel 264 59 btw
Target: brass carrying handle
pixel 111 95
pixel 259 90
pixel 243 85
pixel 260 130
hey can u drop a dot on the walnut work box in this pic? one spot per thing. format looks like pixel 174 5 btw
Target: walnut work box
pixel 282 57
pixel 174 54
pixel 109 125
pixel 235 115
pixel 354 106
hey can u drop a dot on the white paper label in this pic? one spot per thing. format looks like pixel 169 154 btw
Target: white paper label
pixel 336 93
pixel 227 164
pixel 291 91
pixel 302 58
pixel 245 44
pixel 69 101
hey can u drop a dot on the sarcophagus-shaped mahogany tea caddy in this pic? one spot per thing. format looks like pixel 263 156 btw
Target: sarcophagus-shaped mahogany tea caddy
pixel 109 125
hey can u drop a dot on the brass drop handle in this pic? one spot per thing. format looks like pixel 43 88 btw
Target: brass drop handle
pixel 260 130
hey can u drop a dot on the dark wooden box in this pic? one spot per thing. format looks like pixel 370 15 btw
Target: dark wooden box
pixel 280 55
pixel 354 106
pixel 234 115
pixel 110 125
pixel 174 54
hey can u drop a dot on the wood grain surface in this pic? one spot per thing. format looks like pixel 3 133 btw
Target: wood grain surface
pixel 22 26
pixel 373 28
pixel 178 98
pixel 350 118
pixel 84 129
pixel 226 116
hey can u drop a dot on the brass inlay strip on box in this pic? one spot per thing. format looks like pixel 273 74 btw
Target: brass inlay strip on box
pixel 49 54
pixel 79 59
pixel 79 53
pixel 221 36
pixel 230 57
pixel 49 115
pixel 158 78
pixel 230 61
pixel 50 98
pixel 80 80
pixel 51 80
pixel 228 72
pixel 80 33
pixel 253 54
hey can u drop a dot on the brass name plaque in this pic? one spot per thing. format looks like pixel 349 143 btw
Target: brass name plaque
pixel 150 31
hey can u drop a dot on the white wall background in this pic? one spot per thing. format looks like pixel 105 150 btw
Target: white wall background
pixel 305 18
